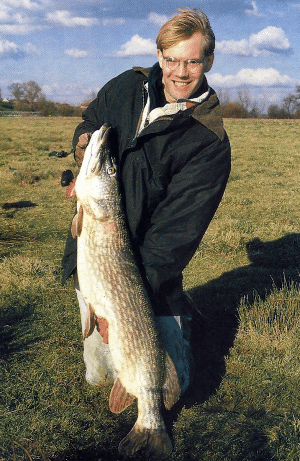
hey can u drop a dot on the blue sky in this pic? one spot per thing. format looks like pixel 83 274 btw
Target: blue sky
pixel 71 48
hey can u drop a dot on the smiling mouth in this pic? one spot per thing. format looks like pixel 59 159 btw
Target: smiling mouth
pixel 180 84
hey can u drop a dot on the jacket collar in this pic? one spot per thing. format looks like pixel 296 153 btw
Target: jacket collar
pixel 208 112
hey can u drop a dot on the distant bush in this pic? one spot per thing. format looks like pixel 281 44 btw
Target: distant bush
pixel 297 114
pixel 46 108
pixel 233 110
pixel 6 105
pixel 275 111
pixel 67 110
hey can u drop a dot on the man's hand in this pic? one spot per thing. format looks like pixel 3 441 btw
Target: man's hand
pixel 83 141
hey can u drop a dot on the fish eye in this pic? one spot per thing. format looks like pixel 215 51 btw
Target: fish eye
pixel 111 170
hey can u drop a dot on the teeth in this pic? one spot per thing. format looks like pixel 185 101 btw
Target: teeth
pixel 180 83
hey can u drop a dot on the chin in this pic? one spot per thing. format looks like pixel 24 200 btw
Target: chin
pixel 184 93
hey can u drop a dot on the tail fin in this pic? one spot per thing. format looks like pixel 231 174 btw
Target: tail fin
pixel 155 443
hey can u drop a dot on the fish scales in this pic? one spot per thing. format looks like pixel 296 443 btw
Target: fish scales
pixel 139 326
pixel 112 286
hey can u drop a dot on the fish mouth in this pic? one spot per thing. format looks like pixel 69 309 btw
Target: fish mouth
pixel 105 144
pixel 104 130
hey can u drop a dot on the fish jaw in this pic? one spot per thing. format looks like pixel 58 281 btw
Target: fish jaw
pixel 96 186
pixel 96 150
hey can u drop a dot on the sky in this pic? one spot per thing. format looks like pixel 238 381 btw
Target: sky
pixel 71 48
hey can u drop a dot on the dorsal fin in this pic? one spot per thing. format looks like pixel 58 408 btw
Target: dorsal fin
pixel 171 389
pixel 119 398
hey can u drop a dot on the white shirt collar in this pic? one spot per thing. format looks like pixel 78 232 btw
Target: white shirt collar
pixel 169 108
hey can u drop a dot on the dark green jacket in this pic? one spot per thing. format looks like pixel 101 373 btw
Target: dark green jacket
pixel 173 176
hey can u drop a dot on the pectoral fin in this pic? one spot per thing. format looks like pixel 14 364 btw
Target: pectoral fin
pixel 76 226
pixel 119 398
pixel 102 327
pixel 90 323
pixel 70 191
pixel 171 389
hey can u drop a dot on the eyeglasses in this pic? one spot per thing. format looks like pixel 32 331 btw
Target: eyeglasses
pixel 191 64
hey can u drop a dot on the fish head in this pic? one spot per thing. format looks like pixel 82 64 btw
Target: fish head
pixel 97 187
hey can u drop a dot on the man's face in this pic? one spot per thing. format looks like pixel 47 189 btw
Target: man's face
pixel 181 82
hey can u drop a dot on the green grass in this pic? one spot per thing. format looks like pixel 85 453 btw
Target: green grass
pixel 244 404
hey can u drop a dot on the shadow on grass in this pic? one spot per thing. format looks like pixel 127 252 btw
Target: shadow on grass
pixel 15 325
pixel 213 332
pixel 216 322
pixel 92 454
pixel 19 204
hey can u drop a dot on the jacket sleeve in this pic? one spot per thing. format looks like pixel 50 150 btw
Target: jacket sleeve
pixel 181 219
pixel 93 117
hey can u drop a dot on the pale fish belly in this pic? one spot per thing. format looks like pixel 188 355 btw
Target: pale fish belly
pixel 112 288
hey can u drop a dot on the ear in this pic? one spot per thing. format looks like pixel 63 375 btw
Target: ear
pixel 208 62
pixel 160 57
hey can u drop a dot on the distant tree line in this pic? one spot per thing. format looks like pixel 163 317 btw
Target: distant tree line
pixel 28 97
pixel 245 107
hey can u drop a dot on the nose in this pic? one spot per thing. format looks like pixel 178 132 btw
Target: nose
pixel 182 70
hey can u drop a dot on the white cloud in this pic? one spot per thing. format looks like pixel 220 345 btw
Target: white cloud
pixel 7 47
pixel 12 50
pixel 137 46
pixel 158 19
pixel 112 21
pixel 296 6
pixel 4 16
pixel 269 40
pixel 19 29
pixel 65 18
pixel 76 53
pixel 29 48
pixel 18 23
pixel 252 77
pixel 254 12
pixel 234 47
pixel 26 4
pixel 75 93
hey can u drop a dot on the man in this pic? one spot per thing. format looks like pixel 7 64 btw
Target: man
pixel 174 163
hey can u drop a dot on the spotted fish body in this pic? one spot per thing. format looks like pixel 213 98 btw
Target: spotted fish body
pixel 112 287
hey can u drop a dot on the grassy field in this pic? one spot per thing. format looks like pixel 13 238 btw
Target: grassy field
pixel 245 401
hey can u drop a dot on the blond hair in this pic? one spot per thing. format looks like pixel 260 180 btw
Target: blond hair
pixel 182 26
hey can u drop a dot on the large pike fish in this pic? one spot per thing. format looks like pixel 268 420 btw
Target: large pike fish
pixel 112 287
